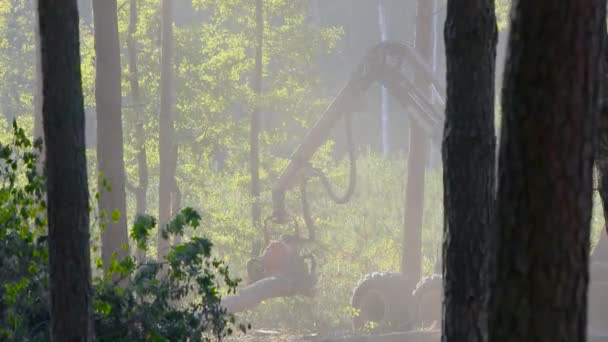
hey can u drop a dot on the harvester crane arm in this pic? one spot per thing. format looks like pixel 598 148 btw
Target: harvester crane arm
pixel 389 63
pixel 392 64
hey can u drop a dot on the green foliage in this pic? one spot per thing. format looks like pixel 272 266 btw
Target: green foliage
pixel 16 57
pixel 23 254
pixel 143 305
pixel 503 7
pixel 149 307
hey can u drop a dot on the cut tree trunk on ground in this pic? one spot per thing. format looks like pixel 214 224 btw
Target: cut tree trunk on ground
pixel 251 296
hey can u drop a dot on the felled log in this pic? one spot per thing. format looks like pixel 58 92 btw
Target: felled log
pixel 251 296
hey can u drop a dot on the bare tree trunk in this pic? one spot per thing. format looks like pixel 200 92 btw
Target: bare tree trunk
pixel 85 8
pixel 469 161
pixel 38 127
pixel 67 189
pixel 141 191
pixel 545 171
pixel 166 115
pixel 256 211
pixel 110 160
pixel 176 195
pixel 411 262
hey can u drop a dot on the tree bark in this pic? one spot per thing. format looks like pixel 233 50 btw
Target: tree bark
pixel 468 166
pixel 545 171
pixel 166 115
pixel 411 260
pixel 176 195
pixel 38 127
pixel 110 160
pixel 66 170
pixel 600 252
pixel 256 210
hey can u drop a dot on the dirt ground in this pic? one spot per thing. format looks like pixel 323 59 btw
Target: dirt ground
pixel 276 336
pixel 271 336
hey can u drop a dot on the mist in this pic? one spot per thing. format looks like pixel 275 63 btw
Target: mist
pixel 303 170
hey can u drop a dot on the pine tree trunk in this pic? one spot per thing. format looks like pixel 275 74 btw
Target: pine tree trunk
pixel 66 167
pixel 469 145
pixel 600 253
pixel 545 171
pixel 166 114
pixel 110 161
pixel 256 211
pixel 411 262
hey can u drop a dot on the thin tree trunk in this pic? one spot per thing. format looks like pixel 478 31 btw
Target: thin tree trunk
pixel 85 8
pixel 38 127
pixel 176 196
pixel 166 114
pixel 256 211
pixel 469 161
pixel 411 262
pixel 176 203
pixel 110 160
pixel 141 191
pixel 66 167
pixel 545 171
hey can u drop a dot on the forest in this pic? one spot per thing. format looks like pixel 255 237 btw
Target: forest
pixel 303 170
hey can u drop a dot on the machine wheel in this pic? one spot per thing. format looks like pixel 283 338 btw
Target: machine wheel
pixel 427 296
pixel 382 298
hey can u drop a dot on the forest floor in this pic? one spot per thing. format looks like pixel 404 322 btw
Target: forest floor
pixel 270 336
pixel 276 336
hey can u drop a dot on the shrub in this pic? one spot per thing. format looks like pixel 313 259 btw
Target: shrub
pixel 146 307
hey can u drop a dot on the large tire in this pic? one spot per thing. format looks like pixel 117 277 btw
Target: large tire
pixel 428 296
pixel 382 298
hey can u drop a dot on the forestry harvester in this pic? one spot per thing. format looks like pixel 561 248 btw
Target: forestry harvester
pixel 381 297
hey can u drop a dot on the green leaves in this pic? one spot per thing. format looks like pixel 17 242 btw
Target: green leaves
pixel 185 258
pixel 115 215
pixel 148 300
pixel 23 254
pixel 187 217
pixel 102 308
pixel 140 232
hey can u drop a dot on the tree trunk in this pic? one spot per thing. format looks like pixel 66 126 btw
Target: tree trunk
pixel 468 166
pixel 166 114
pixel 411 262
pixel 256 211
pixel 176 195
pixel 38 128
pixel 85 8
pixel 545 171
pixel 110 161
pixel 141 191
pixel 600 253
pixel 66 170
